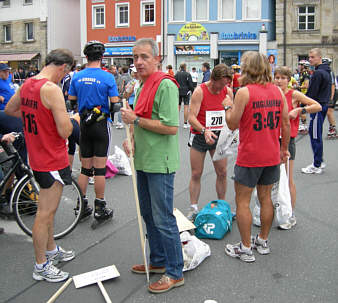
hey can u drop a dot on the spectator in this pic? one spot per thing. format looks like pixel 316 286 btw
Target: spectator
pixel 206 72
pixel 7 88
pixel 194 77
pixel 170 70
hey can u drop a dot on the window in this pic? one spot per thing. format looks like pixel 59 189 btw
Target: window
pixel 148 12
pixel 252 9
pixel 6 3
pixel 29 31
pixel 122 14
pixel 200 10
pixel 227 9
pixel 98 16
pixel 306 17
pixel 7 33
pixel 27 2
pixel 177 10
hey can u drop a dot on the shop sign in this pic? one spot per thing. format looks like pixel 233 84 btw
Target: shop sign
pixel 238 36
pixel 192 50
pixel 192 32
pixel 118 51
pixel 121 38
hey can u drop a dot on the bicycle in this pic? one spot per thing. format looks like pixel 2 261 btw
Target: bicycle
pixel 24 198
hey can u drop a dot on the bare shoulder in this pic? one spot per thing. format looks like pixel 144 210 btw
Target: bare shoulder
pixel 197 94
pixel 50 94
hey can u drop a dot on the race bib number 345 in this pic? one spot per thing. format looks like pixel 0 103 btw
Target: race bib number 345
pixel 214 120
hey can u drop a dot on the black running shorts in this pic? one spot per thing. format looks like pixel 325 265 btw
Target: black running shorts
pixel 94 139
pixel 184 99
pixel 251 176
pixel 47 179
pixel 197 141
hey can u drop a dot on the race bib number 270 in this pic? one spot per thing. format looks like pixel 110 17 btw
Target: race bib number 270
pixel 214 120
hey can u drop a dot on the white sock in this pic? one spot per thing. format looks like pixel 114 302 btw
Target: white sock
pixel 244 248
pixel 52 252
pixel 194 206
pixel 40 266
pixel 260 240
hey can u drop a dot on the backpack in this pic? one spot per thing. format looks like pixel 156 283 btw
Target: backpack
pixel 214 220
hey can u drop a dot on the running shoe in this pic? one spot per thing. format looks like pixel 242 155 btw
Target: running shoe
pixel 261 246
pixel 49 273
pixel 61 256
pixel 119 125
pixel 311 169
pixel 323 165
pixel 192 214
pixel 288 225
pixel 235 251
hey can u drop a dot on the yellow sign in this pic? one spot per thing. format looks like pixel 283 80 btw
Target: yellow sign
pixel 192 32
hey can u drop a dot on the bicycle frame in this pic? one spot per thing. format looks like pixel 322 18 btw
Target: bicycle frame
pixel 13 154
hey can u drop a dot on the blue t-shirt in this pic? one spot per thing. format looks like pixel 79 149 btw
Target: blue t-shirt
pixel 7 90
pixel 92 87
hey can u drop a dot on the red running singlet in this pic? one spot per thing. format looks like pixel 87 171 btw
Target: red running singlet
pixel 294 123
pixel 46 149
pixel 210 102
pixel 259 127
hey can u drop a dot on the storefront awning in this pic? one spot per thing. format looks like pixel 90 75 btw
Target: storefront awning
pixel 18 57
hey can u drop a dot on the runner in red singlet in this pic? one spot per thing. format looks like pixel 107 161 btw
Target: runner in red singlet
pixel 40 104
pixel 294 99
pixel 207 117
pixel 260 112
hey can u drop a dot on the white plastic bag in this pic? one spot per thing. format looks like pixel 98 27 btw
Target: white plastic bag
pixel 227 144
pixel 194 251
pixel 120 161
pixel 281 200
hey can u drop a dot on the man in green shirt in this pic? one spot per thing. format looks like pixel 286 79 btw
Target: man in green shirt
pixel 155 122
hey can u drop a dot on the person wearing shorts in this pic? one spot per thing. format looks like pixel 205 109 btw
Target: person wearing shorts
pixel 93 88
pixel 298 104
pixel 46 124
pixel 207 117
pixel 260 112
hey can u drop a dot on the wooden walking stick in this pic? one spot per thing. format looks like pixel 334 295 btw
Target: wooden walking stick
pixel 131 157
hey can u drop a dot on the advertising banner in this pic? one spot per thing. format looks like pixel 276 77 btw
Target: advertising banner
pixel 192 50
pixel 118 51
pixel 192 32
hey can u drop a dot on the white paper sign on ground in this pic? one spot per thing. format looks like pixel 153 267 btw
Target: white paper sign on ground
pixel 96 276
pixel 182 221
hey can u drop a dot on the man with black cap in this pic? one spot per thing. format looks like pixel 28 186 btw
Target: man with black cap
pixel 92 88
pixel 7 89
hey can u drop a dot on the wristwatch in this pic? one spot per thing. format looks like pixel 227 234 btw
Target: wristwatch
pixel 203 131
pixel 227 107
pixel 136 121
pixel 304 111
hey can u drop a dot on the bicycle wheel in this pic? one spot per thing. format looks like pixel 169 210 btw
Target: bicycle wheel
pixel 25 201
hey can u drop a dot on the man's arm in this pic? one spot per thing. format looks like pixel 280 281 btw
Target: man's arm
pixel 114 99
pixel 13 106
pixel 52 98
pixel 234 114
pixel 285 127
pixel 314 85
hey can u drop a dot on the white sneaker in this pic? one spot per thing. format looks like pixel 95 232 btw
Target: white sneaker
pixel 119 126
pixel 49 273
pixel 288 225
pixel 186 125
pixel 323 165
pixel 91 180
pixel 192 214
pixel 311 169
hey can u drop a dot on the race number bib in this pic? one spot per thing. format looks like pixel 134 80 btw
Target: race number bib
pixel 214 120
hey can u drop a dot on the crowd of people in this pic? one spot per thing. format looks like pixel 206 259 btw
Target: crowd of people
pixel 265 107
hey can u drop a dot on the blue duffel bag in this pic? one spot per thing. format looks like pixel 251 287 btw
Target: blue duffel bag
pixel 214 220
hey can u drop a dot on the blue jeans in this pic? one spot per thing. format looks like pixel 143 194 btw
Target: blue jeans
pixel 155 193
pixel 316 135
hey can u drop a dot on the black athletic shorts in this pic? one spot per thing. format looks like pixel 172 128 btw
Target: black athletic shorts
pixel 197 141
pixel 251 176
pixel 184 99
pixel 47 179
pixel 94 139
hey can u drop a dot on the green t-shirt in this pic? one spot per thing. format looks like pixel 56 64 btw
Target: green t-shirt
pixel 156 153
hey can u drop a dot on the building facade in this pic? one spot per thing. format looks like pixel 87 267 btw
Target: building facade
pixel 29 29
pixel 119 23
pixel 303 25
pixel 218 31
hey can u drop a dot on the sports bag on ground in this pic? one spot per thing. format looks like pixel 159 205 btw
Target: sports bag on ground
pixel 214 220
